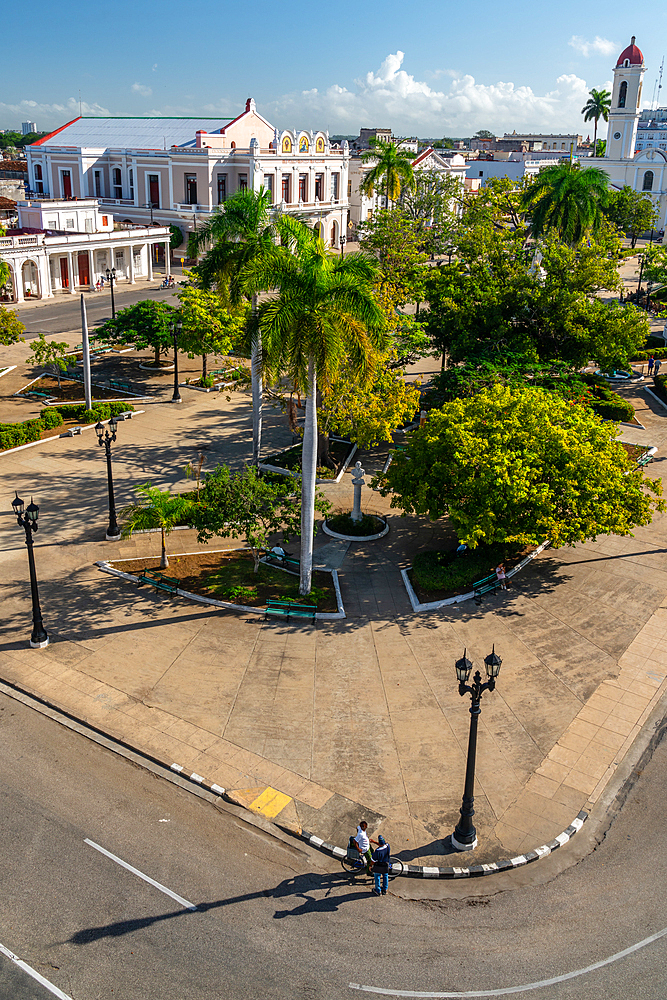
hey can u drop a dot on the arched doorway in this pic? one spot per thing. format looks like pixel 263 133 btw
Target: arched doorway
pixel 319 230
pixel 8 290
pixel 334 235
pixel 30 277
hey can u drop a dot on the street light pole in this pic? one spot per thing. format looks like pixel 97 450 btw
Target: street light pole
pixel 104 438
pixel 342 241
pixel 111 277
pixel 464 837
pixel 175 330
pixel 39 637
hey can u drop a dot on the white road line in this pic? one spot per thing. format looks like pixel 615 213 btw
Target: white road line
pixel 135 871
pixel 515 989
pixel 35 975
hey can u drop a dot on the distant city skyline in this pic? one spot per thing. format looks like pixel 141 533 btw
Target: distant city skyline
pixel 434 72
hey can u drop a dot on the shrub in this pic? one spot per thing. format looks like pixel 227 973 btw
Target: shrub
pixel 659 352
pixel 14 435
pixel 76 411
pixel 103 410
pixel 659 387
pixel 51 418
pixel 618 409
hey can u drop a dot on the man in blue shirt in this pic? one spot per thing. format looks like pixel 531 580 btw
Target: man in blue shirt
pixel 381 867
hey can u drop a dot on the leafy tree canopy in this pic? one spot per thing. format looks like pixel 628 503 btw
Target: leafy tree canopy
pixel 156 508
pixel 521 465
pixel 209 327
pixel 50 354
pixel 569 199
pixel 397 240
pixel 146 324
pixel 11 327
pixel 242 503
pixel 633 212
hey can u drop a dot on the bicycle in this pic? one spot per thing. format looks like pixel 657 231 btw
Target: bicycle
pixel 355 865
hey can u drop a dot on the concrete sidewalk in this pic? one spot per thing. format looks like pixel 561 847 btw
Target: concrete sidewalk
pixel 314 726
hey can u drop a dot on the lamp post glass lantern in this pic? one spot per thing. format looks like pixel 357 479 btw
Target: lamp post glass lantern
pixel 175 331
pixel 104 439
pixel 464 837
pixel 27 519
pixel 342 241
pixel 111 277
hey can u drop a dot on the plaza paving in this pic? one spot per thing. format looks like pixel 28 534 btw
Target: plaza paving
pixel 315 726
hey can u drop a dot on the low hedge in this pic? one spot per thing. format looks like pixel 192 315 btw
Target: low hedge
pixel 14 435
pixel 444 570
pixel 604 401
pixel 659 352
pixel 660 387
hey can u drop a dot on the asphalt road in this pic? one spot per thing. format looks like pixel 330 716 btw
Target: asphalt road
pixel 273 920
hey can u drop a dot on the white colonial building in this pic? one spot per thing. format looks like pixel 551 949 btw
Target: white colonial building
pixel 363 206
pixel 643 169
pixel 67 246
pixel 176 171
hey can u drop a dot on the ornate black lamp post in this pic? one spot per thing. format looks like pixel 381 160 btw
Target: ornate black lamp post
pixel 342 241
pixel 104 438
pixel 175 331
pixel 111 277
pixel 39 637
pixel 464 837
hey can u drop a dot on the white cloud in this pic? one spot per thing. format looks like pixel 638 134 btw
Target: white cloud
pixel 154 67
pixel 140 88
pixel 391 97
pixel 47 116
pixel 599 46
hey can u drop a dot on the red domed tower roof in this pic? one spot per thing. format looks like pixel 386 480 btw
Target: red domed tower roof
pixel 632 54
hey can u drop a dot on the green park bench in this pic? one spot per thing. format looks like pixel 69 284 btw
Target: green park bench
pixel 489 584
pixel 644 459
pixel 166 583
pixel 277 560
pixel 37 395
pixel 115 383
pixel 286 609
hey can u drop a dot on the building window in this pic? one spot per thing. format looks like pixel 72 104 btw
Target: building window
pixel 222 188
pixel 243 182
pixel 349 189
pixel 335 178
pixel 481 173
pixel 131 175
pixel 38 172
pixel 268 186
pixel 98 183
pixel 286 188
pixel 190 189
pixel 69 223
pixel 66 182
pixel 622 94
pixel 88 223
pixel 319 186
pixel 648 181
pixel 117 183
pixel 105 220
pixel 303 187
pixel 154 190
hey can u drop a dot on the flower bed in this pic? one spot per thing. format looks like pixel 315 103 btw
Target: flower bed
pixel 232 578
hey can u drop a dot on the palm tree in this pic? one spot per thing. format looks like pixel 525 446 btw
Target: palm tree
pixel 323 314
pixel 569 199
pixel 597 107
pixel 240 231
pixel 156 509
pixel 392 169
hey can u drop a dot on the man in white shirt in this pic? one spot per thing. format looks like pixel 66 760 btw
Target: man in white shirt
pixel 363 843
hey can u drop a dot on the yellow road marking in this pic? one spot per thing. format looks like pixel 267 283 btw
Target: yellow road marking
pixel 270 802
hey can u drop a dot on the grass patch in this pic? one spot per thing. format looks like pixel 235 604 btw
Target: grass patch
pixel 232 578
pixel 438 574
pixel 71 390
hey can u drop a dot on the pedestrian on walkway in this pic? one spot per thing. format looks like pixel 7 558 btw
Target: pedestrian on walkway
pixel 381 867
pixel 651 362
pixel 656 367
pixel 364 845
pixel 500 575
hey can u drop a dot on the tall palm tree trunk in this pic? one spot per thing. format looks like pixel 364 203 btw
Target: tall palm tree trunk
pixel 256 381
pixel 595 137
pixel 308 475
pixel 164 562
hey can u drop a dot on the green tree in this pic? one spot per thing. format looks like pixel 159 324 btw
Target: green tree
pixel 209 327
pixel 145 325
pixel 241 231
pixel 156 508
pixel 521 465
pixel 391 169
pixel 397 240
pixel 569 199
pixel 50 354
pixel 597 107
pixel 11 327
pixel 176 238
pixel 484 133
pixel 632 211
pixel 243 503
pixel 322 315
pixel 432 202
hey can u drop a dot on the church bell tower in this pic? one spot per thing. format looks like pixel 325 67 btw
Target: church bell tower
pixel 625 100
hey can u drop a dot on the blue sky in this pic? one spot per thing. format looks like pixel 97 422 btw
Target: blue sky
pixel 436 67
